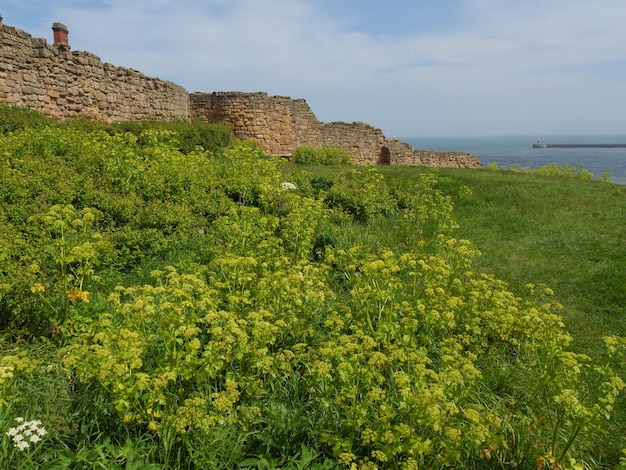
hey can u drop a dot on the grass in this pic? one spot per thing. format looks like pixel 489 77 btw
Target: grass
pixel 566 233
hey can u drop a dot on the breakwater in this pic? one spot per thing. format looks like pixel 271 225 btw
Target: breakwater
pixel 578 146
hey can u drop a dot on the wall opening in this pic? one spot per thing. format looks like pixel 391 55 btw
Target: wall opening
pixel 385 156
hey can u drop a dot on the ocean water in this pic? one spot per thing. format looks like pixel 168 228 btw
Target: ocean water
pixel 507 151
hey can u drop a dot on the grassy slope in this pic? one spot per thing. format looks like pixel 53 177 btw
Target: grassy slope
pixel 566 233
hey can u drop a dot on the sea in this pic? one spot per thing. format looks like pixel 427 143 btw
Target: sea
pixel 518 150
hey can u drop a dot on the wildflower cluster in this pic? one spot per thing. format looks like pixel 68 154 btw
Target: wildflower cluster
pixel 202 305
pixel 26 433
pixel 13 365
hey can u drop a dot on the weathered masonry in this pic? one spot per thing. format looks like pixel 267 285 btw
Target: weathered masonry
pixel 66 84
pixel 281 124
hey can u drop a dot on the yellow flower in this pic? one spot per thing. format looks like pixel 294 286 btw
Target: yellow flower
pixel 376 394
pixel 379 455
pixel 346 458
pixel 38 287
pixel 78 294
pixel 410 464
pixel 368 436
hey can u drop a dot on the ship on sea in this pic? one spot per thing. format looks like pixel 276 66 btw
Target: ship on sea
pixel 541 145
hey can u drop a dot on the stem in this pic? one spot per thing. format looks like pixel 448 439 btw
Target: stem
pixel 574 435
pixel 367 313
pixel 369 321
pixel 554 433
pixel 570 442
pixel 354 407
pixel 63 277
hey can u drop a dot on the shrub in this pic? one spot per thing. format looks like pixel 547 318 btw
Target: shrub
pixel 551 169
pixel 362 193
pixel 14 118
pixel 321 156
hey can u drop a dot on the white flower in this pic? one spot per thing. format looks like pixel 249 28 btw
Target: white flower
pixel 26 431
pixel 21 445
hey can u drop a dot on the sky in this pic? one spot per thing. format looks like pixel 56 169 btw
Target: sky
pixel 413 68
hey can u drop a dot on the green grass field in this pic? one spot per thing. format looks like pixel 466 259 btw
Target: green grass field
pixel 568 234
pixel 564 232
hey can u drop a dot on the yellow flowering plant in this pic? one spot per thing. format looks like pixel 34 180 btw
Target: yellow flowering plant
pixel 71 249
pixel 227 320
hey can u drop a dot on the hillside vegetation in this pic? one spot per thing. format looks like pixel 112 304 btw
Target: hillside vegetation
pixel 166 303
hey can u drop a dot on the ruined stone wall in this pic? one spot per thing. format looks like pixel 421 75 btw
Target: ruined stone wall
pixel 363 141
pixel 66 84
pixel 401 153
pixel 278 123
pixel 281 124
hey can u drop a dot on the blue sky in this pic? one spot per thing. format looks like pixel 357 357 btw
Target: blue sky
pixel 414 68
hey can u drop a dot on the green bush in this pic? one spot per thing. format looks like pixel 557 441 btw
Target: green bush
pixel 321 156
pixel 14 118
pixel 551 169
pixel 214 137
pixel 362 193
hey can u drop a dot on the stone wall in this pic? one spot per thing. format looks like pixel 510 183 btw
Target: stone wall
pixel 281 124
pixel 364 142
pixel 66 84
pixel 278 123
pixel 401 153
